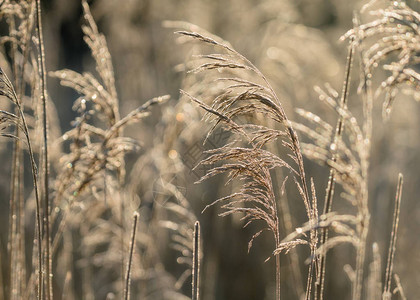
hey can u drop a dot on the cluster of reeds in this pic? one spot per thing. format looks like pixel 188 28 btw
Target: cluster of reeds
pixel 343 148
pixel 87 180
pixel 98 231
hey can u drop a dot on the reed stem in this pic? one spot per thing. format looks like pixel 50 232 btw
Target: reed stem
pixel 196 263
pixel 41 67
pixel 320 283
pixel 130 258
pixel 392 245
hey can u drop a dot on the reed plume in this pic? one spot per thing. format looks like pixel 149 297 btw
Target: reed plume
pixel 393 38
pixel 251 165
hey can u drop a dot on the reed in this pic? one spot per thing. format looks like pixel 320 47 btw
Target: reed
pixel 237 119
pixel 130 257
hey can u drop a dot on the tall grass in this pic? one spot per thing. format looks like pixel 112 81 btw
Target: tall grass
pixel 85 195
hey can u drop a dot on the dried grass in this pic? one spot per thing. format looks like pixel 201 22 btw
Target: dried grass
pixel 83 199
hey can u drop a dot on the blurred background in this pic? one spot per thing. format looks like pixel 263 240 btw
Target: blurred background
pixel 296 45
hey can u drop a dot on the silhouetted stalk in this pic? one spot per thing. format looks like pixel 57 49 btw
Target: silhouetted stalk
pixel 196 263
pixel 392 245
pixel 130 258
pixel 41 66
pixel 319 286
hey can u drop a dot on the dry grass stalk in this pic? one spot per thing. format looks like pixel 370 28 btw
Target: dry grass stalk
pixel 320 282
pixel 349 167
pixel 251 164
pixel 45 169
pixel 130 258
pixel 95 166
pixel 196 263
pixel 392 245
pixel 20 18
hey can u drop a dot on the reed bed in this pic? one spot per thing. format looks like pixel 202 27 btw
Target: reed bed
pixel 125 202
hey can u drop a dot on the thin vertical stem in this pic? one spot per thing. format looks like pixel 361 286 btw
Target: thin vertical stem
pixel 38 206
pixel 17 234
pixel 11 244
pixel 41 66
pixel 319 291
pixel 14 187
pixel 392 245
pixel 122 245
pixel 278 277
pixel 130 258
pixel 310 276
pixel 196 263
pixel 38 215
pixel 278 264
pixel 21 230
